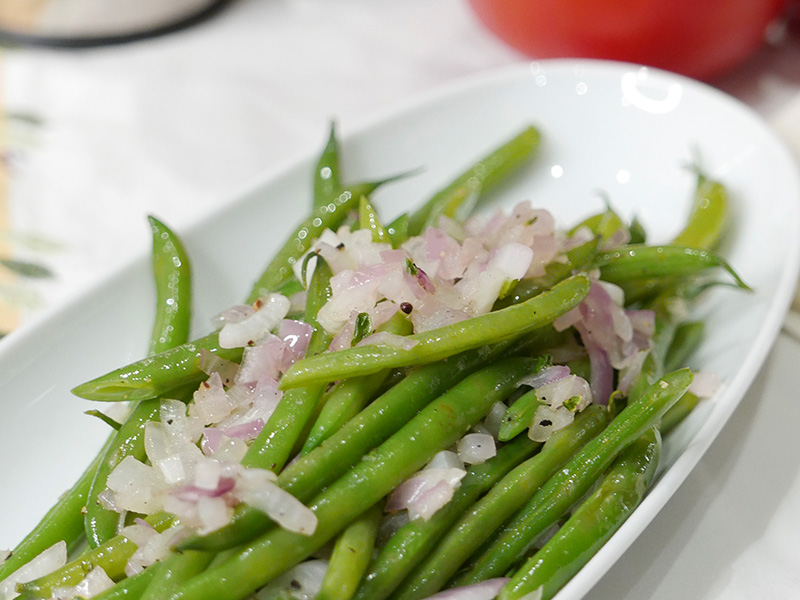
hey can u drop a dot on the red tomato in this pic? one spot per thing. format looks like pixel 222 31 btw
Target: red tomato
pixel 699 38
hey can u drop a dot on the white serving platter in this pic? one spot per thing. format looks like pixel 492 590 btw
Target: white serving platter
pixel 609 130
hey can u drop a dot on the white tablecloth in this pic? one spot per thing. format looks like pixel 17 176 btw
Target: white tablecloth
pixel 174 126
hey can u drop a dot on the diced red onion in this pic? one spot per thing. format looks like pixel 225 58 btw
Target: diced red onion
pixel 210 363
pixel 256 487
pixel 619 238
pixel 43 564
pixel 211 440
pixel 495 418
pixel 426 492
pixel 425 281
pixel 485 590
pixel 231 450
pixel 139 532
pixel 512 259
pixel 350 291
pixel 207 475
pixel 136 486
pixel 234 314
pixel 705 384
pixel 210 401
pixel 245 431
pixel 296 335
pixel 106 500
pixel 629 374
pixel 581 236
pixel 643 321
pixel 95 582
pixel 177 424
pixel 546 376
pixel 446 459
pixel 602 382
pixel 302 582
pixel 476 448
pixel 557 392
pixel 568 319
pixel 269 358
pixel 548 420
pixel 251 330
pixel 431 500
pixel 193 493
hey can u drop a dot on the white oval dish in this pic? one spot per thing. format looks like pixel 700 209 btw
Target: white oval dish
pixel 622 130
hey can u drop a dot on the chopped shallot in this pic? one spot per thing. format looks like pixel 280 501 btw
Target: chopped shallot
pixel 476 448
pixel 705 384
pixel 95 582
pixel 430 489
pixel 252 329
pixel 485 590
pixel 302 582
pixel 48 561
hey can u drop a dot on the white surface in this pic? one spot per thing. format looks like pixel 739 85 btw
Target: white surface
pixel 172 125
pixel 580 153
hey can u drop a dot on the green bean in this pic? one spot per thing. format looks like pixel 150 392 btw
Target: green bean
pixel 172 276
pixel 362 328
pixel 576 478
pixel 503 501
pixel 327 184
pixel 436 427
pixel 329 216
pixel 372 426
pixel 703 231
pixel 111 557
pixel 442 342
pixel 667 308
pixel 102 524
pixel 368 219
pixel 175 570
pixel 273 446
pixel 685 341
pixel 592 523
pixel 349 396
pixel 519 416
pixel 350 556
pixel 411 543
pixel 157 375
pixel 130 588
pixel 64 521
pixel 679 411
pixel 153 377
pixel 642 262
pixel 576 258
pixel 709 216
pixel 476 181
pixel 398 230
pixel 345 400
pixel 581 366
pixel 637 231
pixel 604 225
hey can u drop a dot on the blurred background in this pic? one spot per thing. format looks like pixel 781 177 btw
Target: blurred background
pixel 113 109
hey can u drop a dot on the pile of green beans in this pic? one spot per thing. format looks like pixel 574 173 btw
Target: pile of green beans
pixel 354 424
